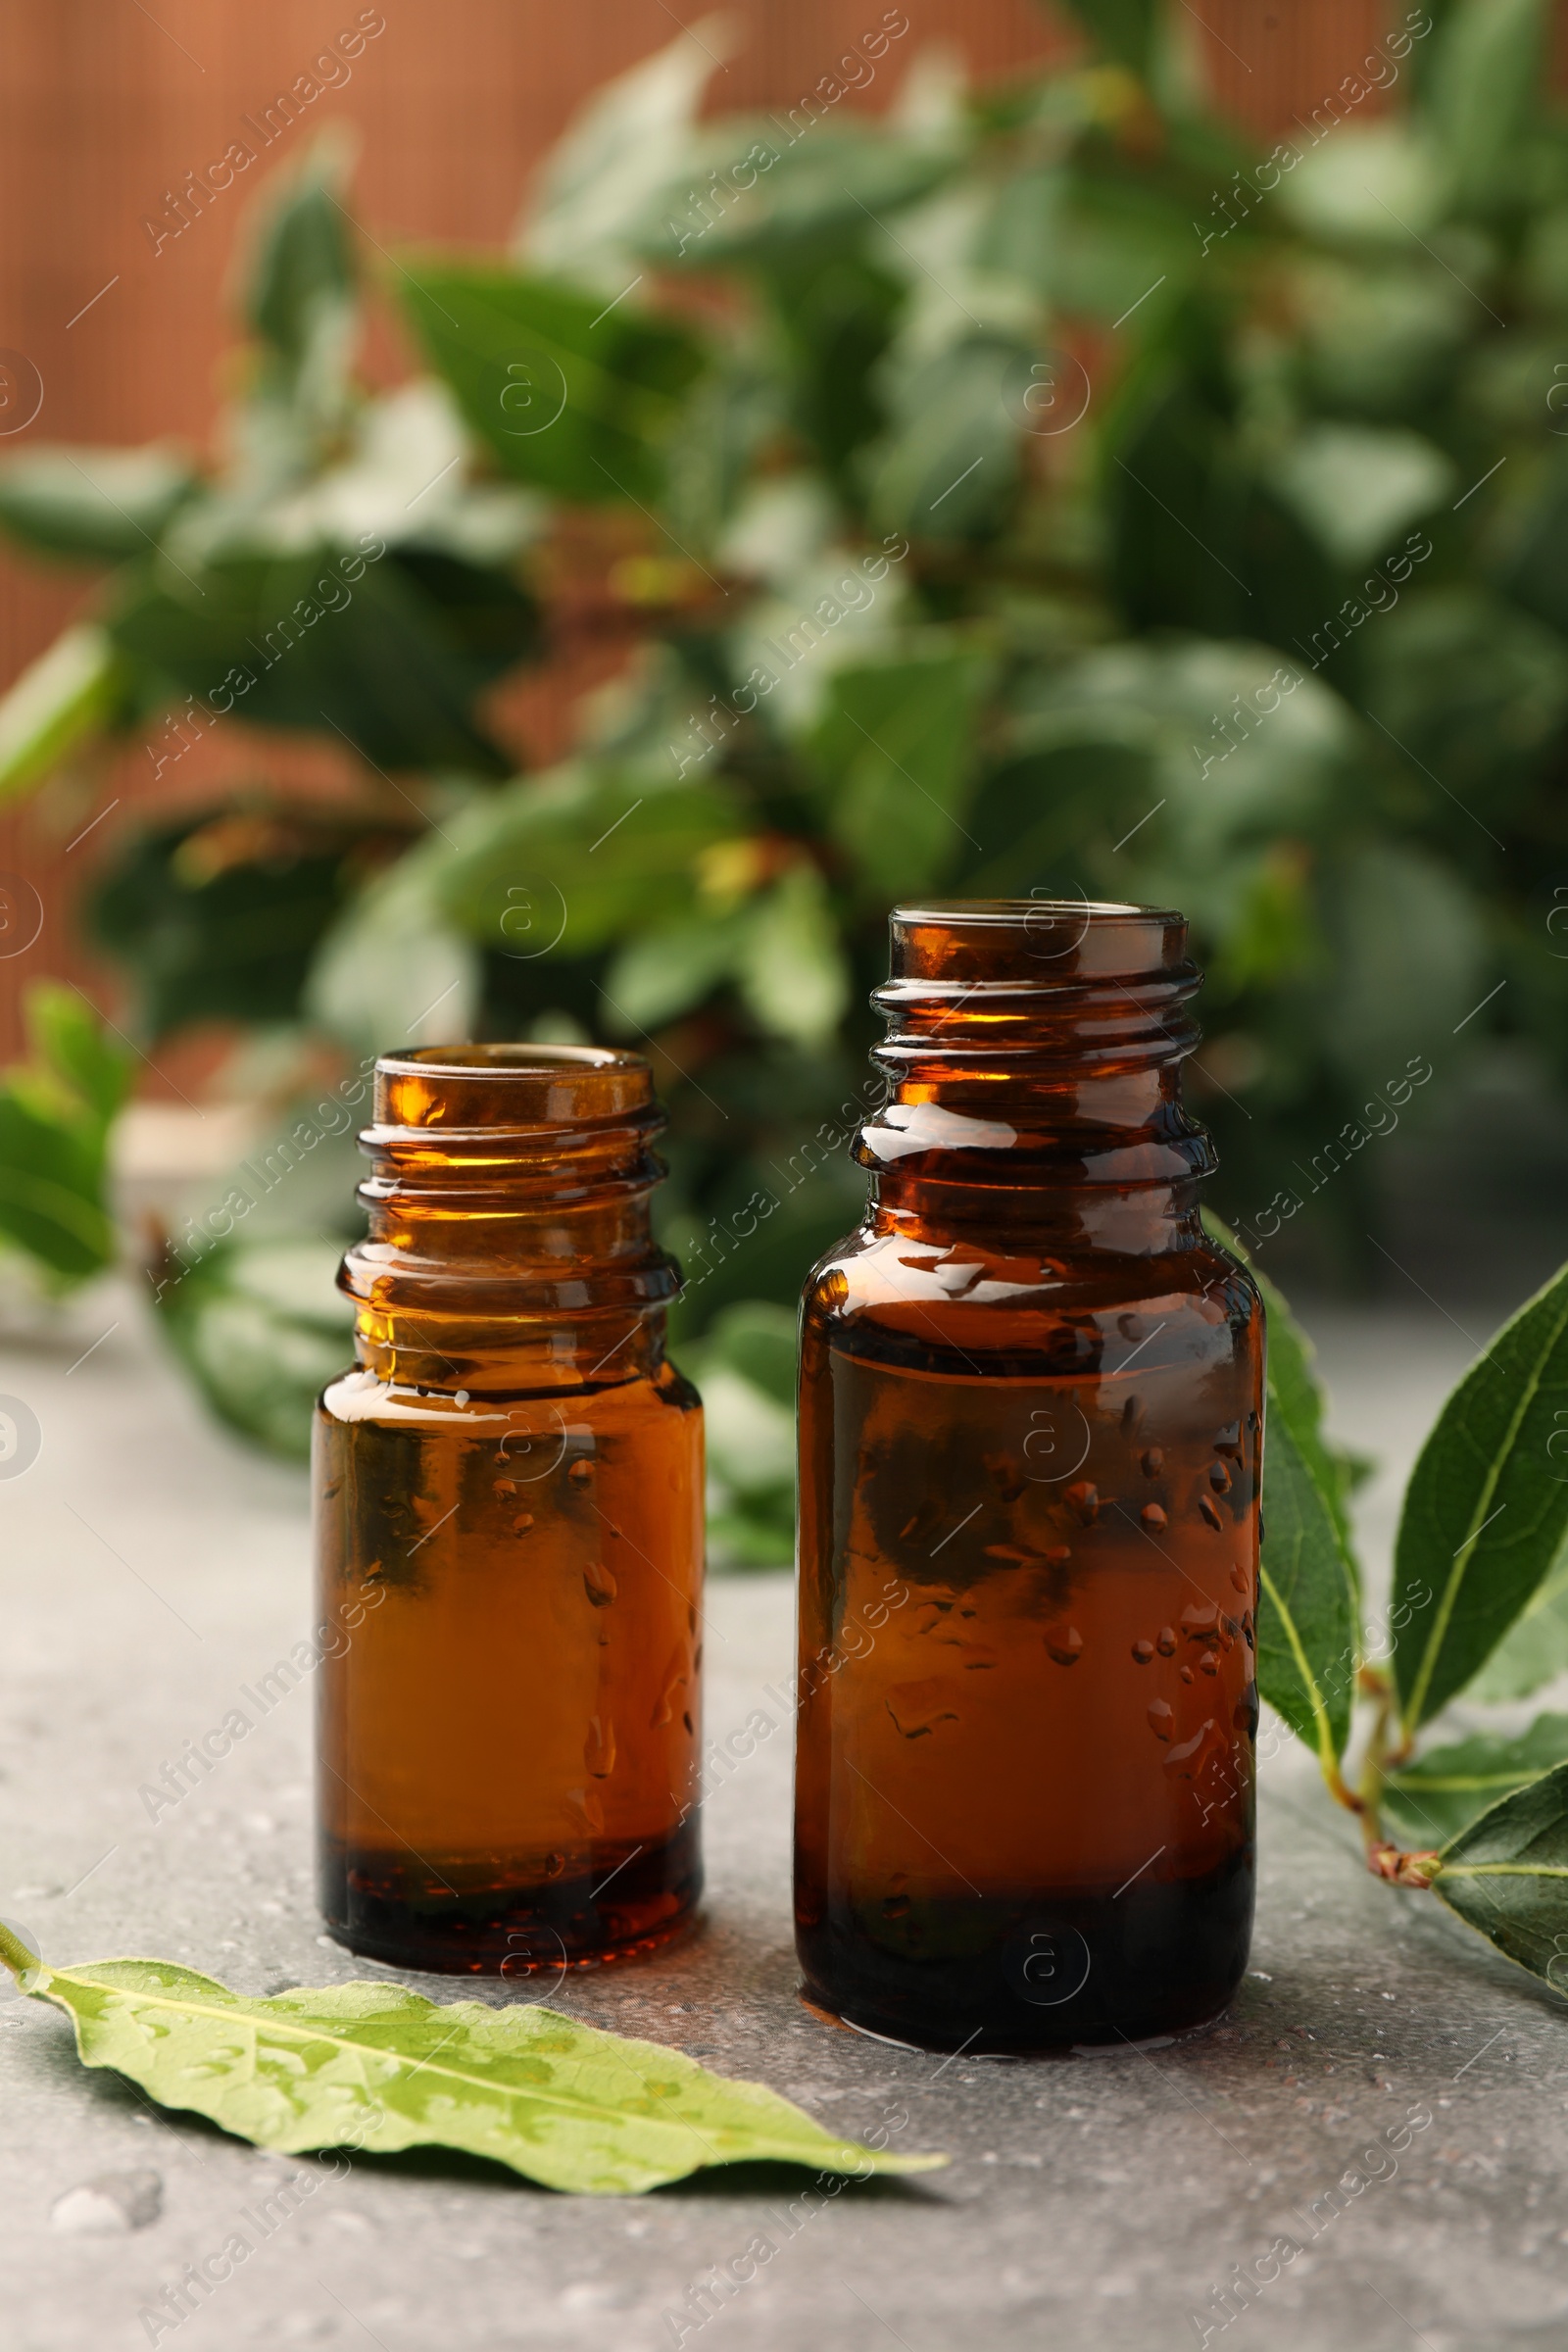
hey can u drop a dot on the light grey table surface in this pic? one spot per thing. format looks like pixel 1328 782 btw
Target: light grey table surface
pixel 150 1567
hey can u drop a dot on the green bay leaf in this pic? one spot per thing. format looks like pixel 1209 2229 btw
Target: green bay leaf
pixel 1306 1636
pixel 1506 1876
pixel 1442 1791
pixel 1534 1648
pixel 1309 1645
pixel 1295 1397
pixel 1486 1510
pixel 374 2067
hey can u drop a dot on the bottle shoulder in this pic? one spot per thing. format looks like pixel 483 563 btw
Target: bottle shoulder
pixel 361 1396
pixel 971 1299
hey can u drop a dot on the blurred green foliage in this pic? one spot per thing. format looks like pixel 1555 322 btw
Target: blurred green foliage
pixel 1043 489
pixel 56 1111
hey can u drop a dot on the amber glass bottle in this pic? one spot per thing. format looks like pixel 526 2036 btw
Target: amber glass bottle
pixel 1031 1397
pixel 509 1500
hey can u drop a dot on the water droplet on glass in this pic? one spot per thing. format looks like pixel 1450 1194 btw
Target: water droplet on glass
pixel 1209 1510
pixel 521 1524
pixel 598 1583
pixel 917 1708
pixel 1229 1440
pixel 554 1863
pixel 1154 1462
pixel 1240 1578
pixel 1153 1517
pixel 1219 1477
pixel 1200 1620
pixel 1161 1719
pixel 1191 1760
pixel 1186 1674
pixel 1064 1644
pixel 665 1711
pixel 502 1486
pixel 591 1805
pixel 1084 1500
pixel 598 1748
pixel 1209 1662
pixel 1131 1413
pixel 1005 1475
pixel 582 1473
pixel 1131 1327
pixel 897 1906
pixel 1165 1642
pixel 1144 1652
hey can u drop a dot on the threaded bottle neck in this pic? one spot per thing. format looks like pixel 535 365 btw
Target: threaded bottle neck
pixel 1033 1048
pixel 508 1206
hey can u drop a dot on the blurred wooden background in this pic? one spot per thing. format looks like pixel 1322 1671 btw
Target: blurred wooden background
pixel 106 104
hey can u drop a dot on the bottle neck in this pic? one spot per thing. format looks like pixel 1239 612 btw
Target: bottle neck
pixel 1033 1066
pixel 508 1243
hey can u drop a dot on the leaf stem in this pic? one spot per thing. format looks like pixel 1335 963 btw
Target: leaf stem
pixel 1384 1859
pixel 21 1962
pixel 1373 1773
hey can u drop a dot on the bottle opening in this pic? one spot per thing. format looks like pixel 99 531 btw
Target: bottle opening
pixel 523 1085
pixel 529 1059
pixel 1037 942
pixel 984 912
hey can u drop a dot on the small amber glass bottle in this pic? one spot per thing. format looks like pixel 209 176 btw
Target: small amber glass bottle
pixel 1031 1397
pixel 509 1505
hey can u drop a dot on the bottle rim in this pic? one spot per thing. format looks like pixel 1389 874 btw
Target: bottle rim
pixel 507 1061
pixel 1010 911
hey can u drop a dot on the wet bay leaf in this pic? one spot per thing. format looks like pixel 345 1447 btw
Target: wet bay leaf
pixel 1306 1636
pixel 1506 1876
pixel 1308 1647
pixel 1487 1507
pixel 1296 1396
pixel 372 2066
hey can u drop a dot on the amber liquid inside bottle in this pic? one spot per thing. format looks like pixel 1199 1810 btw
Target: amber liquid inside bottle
pixel 1030 1452
pixel 510 1544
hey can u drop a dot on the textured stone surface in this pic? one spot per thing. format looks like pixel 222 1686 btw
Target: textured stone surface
pixel 150 1568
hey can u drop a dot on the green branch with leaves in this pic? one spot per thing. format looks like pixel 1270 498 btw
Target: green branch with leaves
pixel 1478 1605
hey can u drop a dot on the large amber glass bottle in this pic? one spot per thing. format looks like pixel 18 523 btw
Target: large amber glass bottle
pixel 508 1499
pixel 1031 1397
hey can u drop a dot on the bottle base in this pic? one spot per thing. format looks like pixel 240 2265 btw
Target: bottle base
pixel 627 1905
pixel 1058 1971
pixel 433 1957
pixel 982 2044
